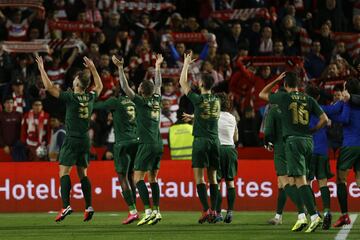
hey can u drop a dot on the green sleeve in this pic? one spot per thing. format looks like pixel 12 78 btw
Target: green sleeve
pixel 270 125
pixel 65 96
pixel 108 104
pixel 193 97
pixel 276 98
pixel 315 107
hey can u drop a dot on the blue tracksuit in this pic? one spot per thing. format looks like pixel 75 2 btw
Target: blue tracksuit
pixel 320 137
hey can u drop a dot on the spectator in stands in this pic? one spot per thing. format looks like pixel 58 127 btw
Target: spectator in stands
pixel 170 93
pixel 326 41
pixel 290 33
pixel 208 68
pixel 356 24
pixel 23 70
pixel 111 28
pixel 315 62
pixel 224 68
pixel 340 49
pixel 21 101
pixel 57 137
pixel 167 119
pixel 278 49
pixel 248 129
pixel 332 11
pixel 254 36
pixel 35 129
pixel 266 43
pixel 10 126
pixel 109 84
pixel 34 33
pixel 6 64
pixel 17 28
pixel 232 40
pixel 110 138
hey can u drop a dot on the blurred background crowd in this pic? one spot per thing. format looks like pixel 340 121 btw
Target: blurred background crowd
pixel 244 44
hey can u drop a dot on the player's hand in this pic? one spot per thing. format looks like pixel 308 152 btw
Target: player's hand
pixel 269 146
pixel 187 117
pixel 40 62
pixel 117 62
pixel 7 149
pixel 88 63
pixel 159 60
pixel 188 59
pixel 280 77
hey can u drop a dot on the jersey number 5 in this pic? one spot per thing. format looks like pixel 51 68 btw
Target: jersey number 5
pixel 299 113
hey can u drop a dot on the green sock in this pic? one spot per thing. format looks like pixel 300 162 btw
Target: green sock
pixel 231 198
pixel 133 189
pixel 219 201
pixel 305 192
pixel 144 193
pixel 201 190
pixel 342 197
pixel 86 189
pixel 65 183
pixel 127 194
pixel 325 196
pixel 293 193
pixel 155 195
pixel 213 195
pixel 281 200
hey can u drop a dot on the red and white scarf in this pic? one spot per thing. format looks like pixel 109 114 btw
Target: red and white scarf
pixel 37 128
pixel 143 6
pixel 24 3
pixel 73 26
pixel 19 103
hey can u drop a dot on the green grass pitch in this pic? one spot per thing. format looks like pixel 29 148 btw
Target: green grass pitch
pixel 175 225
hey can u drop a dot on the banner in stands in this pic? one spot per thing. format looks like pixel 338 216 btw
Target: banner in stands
pixel 34 187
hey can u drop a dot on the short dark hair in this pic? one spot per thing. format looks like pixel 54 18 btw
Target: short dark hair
pixel 7 98
pixel 35 100
pixel 208 81
pixel 353 86
pixel 225 105
pixel 291 80
pixel 84 80
pixel 312 91
pixel 338 87
pixel 148 87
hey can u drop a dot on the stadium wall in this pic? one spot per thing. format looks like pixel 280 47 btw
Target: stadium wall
pixel 34 187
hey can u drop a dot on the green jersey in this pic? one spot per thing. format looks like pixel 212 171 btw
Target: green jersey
pixel 148 118
pixel 206 114
pixel 78 112
pixel 273 126
pixel 296 108
pixel 124 117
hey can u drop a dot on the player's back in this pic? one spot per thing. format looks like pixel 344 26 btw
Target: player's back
pixel 125 120
pixel 148 118
pixel 352 126
pixel 226 126
pixel 206 114
pixel 78 112
pixel 296 108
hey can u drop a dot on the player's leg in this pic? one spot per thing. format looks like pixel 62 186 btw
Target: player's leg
pixel 342 194
pixel 219 217
pixel 281 201
pixel 325 197
pixel 211 173
pixel 231 195
pixel 202 193
pixel 86 189
pixel 132 185
pixel 139 177
pixel 155 191
pixel 128 197
pixel 65 184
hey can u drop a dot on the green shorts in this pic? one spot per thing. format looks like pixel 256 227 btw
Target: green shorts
pixel 124 156
pixel 298 152
pixel 148 157
pixel 228 163
pixel 319 167
pixel 206 153
pixel 280 160
pixel 75 151
pixel 349 158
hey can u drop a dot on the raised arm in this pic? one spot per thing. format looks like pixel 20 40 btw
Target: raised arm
pixel 158 79
pixel 54 91
pixel 88 63
pixel 123 81
pixel 265 93
pixel 184 72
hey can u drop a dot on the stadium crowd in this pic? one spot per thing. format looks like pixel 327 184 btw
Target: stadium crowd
pixel 243 44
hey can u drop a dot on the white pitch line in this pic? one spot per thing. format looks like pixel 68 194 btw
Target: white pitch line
pixel 344 232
